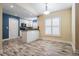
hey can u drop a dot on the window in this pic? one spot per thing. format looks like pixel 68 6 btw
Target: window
pixel 52 26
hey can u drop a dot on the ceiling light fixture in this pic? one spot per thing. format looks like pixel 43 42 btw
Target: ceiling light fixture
pixel 11 6
pixel 46 12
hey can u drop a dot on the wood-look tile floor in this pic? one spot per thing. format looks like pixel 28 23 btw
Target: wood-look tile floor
pixel 36 48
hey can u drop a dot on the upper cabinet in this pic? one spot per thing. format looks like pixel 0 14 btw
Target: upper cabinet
pixel 30 22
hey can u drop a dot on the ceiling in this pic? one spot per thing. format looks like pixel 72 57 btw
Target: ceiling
pixel 29 10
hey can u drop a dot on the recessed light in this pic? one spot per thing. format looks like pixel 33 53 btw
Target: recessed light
pixel 11 6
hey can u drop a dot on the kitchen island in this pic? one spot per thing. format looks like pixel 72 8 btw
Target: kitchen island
pixel 29 35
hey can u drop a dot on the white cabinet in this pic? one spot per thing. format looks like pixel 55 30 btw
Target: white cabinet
pixel 24 36
pixel 32 35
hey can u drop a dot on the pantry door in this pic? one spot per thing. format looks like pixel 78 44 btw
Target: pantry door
pixel 13 28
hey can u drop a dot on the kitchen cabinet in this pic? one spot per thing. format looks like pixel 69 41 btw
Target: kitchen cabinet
pixel 30 35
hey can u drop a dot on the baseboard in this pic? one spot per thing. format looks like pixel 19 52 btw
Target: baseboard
pixel 77 51
pixel 12 38
pixel 59 41
pixel 64 41
pixel 6 39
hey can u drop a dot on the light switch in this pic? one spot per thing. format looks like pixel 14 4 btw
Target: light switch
pixel 6 27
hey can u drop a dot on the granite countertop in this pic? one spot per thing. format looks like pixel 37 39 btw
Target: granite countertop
pixel 28 29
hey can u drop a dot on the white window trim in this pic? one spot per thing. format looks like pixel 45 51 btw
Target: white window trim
pixel 51 26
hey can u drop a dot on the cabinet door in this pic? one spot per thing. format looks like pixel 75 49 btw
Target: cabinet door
pixel 32 36
pixel 36 35
pixel 24 36
pixel 29 36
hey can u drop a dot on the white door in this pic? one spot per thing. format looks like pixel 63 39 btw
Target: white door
pixel 13 28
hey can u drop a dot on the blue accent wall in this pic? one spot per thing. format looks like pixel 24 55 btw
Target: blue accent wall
pixel 6 24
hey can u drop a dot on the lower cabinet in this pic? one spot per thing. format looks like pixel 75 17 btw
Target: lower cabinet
pixel 29 36
pixel 32 35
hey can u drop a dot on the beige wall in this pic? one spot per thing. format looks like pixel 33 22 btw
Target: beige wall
pixel 0 26
pixel 65 25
